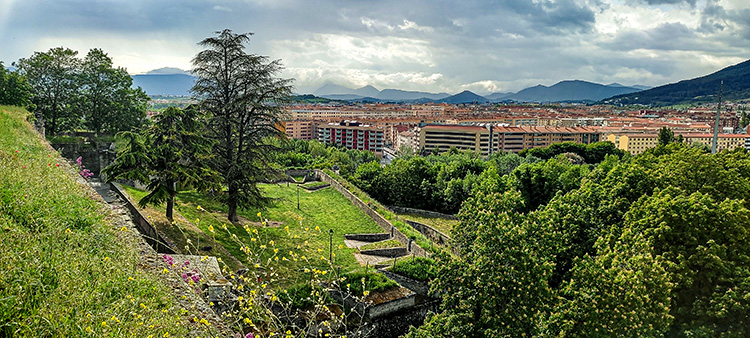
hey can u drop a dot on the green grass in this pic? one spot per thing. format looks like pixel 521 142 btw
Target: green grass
pixel 406 229
pixel 63 271
pixel 314 184
pixel 417 268
pixel 443 225
pixel 307 240
pixel 361 281
pixel 387 244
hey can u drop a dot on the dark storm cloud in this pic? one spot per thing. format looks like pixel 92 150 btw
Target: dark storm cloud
pixel 449 42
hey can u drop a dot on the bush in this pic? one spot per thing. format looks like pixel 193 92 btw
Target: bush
pixel 304 296
pixel 419 268
pixel 359 282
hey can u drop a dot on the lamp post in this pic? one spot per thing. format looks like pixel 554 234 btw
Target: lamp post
pixel 330 245
pixel 298 197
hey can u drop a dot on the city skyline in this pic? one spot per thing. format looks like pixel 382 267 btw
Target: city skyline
pixel 440 46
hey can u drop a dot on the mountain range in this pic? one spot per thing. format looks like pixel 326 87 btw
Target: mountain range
pixel 165 81
pixel 577 91
pixel 736 86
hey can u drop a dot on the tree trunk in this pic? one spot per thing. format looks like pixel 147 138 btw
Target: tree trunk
pixel 232 203
pixel 170 207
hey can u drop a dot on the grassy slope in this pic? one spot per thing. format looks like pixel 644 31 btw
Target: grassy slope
pixel 326 209
pixel 63 271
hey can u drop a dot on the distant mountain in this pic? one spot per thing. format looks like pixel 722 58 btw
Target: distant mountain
pixel 338 92
pixel 406 95
pixel 167 71
pixel 575 90
pixel 641 87
pixel 367 91
pixel 333 89
pixel 703 89
pixel 498 96
pixel 165 84
pixel 464 97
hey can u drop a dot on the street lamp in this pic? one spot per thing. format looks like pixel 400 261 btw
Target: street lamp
pixel 330 245
pixel 298 197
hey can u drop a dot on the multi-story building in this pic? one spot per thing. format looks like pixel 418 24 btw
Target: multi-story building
pixel 352 135
pixel 638 143
pixel 301 129
pixel 502 138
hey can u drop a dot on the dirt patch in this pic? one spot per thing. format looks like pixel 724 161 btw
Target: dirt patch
pixel 388 295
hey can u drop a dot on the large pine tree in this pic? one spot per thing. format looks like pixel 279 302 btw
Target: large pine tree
pixel 245 100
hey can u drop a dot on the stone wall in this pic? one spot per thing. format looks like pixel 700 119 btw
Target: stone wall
pixel 153 237
pixel 384 224
pixel 368 237
pixel 421 212
pixel 421 288
pixel 389 252
pixel 431 233
pixel 397 324
pixel 94 156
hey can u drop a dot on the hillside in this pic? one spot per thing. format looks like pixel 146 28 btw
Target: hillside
pixel 68 270
pixel 702 89
pixel 575 90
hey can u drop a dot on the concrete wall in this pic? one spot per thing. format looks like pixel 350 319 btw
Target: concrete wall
pixel 367 237
pixel 379 219
pixel 389 252
pixel 421 212
pixel 431 233
pixel 153 237
pixel 421 288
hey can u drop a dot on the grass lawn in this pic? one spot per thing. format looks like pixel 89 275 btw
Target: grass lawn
pixel 442 224
pixel 291 241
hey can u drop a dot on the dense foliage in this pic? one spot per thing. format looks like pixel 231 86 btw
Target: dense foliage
pixel 14 88
pixel 171 153
pixel 70 93
pixel 418 268
pixel 654 245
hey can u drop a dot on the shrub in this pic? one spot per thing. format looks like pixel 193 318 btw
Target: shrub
pixel 419 268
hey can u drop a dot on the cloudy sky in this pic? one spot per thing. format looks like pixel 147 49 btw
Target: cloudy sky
pixel 429 45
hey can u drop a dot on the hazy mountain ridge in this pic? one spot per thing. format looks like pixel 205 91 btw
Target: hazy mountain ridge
pixel 701 89
pixel 570 90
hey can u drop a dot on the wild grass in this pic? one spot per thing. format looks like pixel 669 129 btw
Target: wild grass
pixel 64 272
pixel 291 241
pixel 387 244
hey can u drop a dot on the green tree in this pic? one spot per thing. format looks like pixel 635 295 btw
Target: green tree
pixel 172 151
pixel 666 136
pixel 107 100
pixel 14 88
pixel 53 79
pixel 245 101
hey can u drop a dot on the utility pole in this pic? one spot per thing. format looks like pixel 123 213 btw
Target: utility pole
pixel 715 142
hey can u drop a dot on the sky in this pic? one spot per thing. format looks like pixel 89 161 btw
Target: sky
pixel 428 45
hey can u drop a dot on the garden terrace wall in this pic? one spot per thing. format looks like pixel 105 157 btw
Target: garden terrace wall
pixel 384 224
pixel 431 233
pixel 421 288
pixel 421 212
pixel 153 237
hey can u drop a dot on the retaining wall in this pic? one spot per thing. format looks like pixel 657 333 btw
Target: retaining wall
pixel 421 212
pixel 421 288
pixel 153 237
pixel 431 233
pixel 389 252
pixel 384 224
pixel 368 237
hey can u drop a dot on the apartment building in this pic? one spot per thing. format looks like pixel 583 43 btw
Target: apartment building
pixel 301 129
pixel 352 135
pixel 502 138
pixel 637 144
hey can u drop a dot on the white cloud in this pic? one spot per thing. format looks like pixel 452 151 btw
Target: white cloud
pixel 413 25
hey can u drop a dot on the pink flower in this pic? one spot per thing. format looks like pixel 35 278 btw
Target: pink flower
pixel 249 335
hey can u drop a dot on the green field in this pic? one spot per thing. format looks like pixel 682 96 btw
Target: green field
pixel 304 233
pixel 64 269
